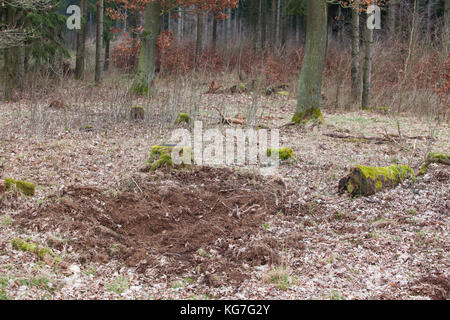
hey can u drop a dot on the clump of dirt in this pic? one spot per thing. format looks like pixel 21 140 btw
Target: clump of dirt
pixel 437 287
pixel 204 219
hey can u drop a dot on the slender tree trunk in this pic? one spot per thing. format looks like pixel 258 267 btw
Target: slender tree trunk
pixel 278 28
pixel 81 42
pixel 356 75
pixel 254 14
pixel 180 25
pixel 199 41
pixel 21 66
pixel 107 48
pixel 99 44
pixel 310 82
pixel 429 15
pixel 229 30
pixel 392 16
pixel 149 50
pixel 9 72
pixel 446 33
pixel 273 25
pixel 284 22
pixel 214 32
pixel 367 68
pixel 263 23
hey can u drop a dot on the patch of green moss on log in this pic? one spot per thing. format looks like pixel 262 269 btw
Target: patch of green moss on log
pixel 312 114
pixel 27 188
pixel 434 157
pixel 365 180
pixel 283 153
pixel 161 156
pixel 183 117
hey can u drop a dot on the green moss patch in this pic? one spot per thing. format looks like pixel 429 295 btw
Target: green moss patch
pixel 283 153
pixel 312 114
pixel 42 252
pixel 365 180
pixel 183 118
pixel 27 188
pixel 161 156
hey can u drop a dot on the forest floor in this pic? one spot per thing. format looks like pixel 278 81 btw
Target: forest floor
pixel 220 233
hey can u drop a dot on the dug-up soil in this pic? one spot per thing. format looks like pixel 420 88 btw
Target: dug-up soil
pixel 203 219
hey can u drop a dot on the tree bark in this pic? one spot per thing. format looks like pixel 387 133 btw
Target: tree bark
pixel 99 44
pixel 107 49
pixel 273 24
pixel 263 23
pixel 367 68
pixel 149 50
pixel 284 22
pixel 310 82
pixel 392 16
pixel 199 40
pixel 356 75
pixel 214 32
pixel 81 42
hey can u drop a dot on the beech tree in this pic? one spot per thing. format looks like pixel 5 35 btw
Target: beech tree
pixel 310 82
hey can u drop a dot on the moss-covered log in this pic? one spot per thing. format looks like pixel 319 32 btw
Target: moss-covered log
pixel 365 181
pixel 27 188
pixel 434 157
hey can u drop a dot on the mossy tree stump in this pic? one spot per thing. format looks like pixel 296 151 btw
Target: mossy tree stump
pixel 283 153
pixel 365 181
pixel 183 118
pixel 137 113
pixel 161 156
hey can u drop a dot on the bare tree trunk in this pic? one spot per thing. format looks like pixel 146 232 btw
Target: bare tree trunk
pixel 229 30
pixel 199 40
pixel 81 42
pixel 214 32
pixel 310 82
pixel 356 75
pixel 107 48
pixel 263 23
pixel 180 25
pixel 284 22
pixel 254 14
pixel 273 24
pixel 429 15
pixel 149 50
pixel 446 33
pixel 9 72
pixel 367 68
pixel 278 22
pixel 99 44
pixel 392 16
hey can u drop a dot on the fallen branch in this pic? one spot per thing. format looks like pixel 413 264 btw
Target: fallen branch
pixel 228 120
pixel 434 157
